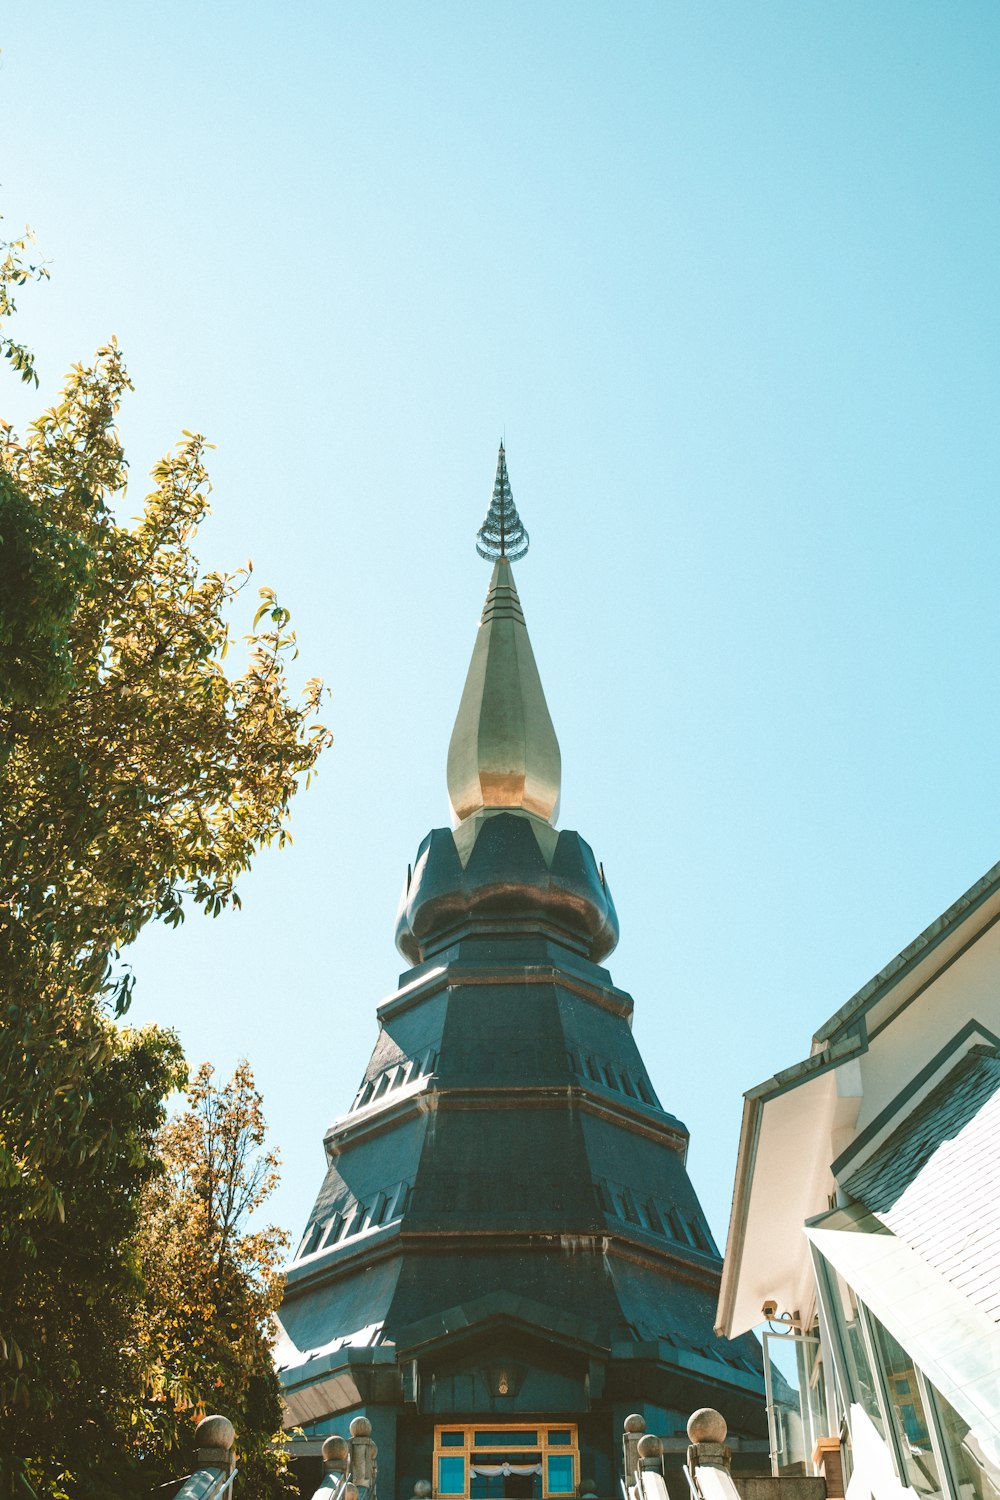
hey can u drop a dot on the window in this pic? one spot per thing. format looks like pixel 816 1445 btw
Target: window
pixel 906 1412
pixel 559 1474
pixel 975 1465
pixel 506 1462
pixel 451 1475
pixel 796 1401
pixel 509 1438
pixel 856 1371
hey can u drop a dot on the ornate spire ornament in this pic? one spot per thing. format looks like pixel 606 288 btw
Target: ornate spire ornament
pixel 502 534
pixel 504 754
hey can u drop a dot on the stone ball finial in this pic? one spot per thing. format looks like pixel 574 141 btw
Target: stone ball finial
pixel 635 1423
pixel 361 1427
pixel 349 1492
pixel 706 1425
pixel 421 1489
pixel 336 1450
pixel 214 1432
pixel 650 1446
pixel 588 1487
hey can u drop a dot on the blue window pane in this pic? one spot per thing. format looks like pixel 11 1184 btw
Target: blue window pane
pixel 560 1474
pixel 451 1476
pixel 560 1437
pixel 492 1439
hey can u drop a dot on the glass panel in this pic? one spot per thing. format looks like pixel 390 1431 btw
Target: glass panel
pixel 560 1437
pixel 783 1382
pixel 451 1476
pixel 796 1400
pixel 504 1438
pixel 860 1375
pixel 482 1488
pixel 506 1487
pixel 974 1460
pixel 907 1413
pixel 559 1474
pixel 491 1456
pixel 812 1386
pixel 451 1439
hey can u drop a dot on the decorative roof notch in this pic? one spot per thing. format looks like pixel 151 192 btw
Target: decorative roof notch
pixel 502 533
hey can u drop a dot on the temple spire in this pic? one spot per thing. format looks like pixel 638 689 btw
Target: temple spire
pixel 504 755
pixel 502 534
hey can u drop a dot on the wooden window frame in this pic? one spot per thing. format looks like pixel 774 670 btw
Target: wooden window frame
pixel 544 1446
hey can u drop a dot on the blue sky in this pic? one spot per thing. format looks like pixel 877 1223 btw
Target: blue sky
pixel 726 276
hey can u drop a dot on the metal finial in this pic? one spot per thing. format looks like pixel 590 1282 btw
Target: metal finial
pixel 502 534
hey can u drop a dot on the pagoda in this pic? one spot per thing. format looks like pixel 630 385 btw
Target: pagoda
pixel 506 1257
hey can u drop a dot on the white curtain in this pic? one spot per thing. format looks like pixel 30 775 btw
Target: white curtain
pixel 493 1471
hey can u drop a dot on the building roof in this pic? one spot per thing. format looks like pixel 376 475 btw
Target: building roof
pixel 790 1120
pixel 932 1182
pixel 935 935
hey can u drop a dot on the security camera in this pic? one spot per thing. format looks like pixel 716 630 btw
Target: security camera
pixel 769 1309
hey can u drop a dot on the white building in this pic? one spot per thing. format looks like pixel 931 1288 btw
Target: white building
pixel 866 1225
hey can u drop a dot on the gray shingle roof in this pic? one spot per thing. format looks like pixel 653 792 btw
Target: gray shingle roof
pixel 936 1181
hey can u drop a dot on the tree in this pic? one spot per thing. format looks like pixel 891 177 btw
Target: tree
pixel 213 1281
pixel 137 780
pixel 84 1286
